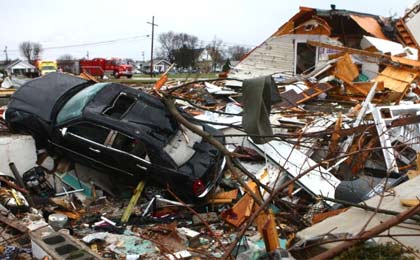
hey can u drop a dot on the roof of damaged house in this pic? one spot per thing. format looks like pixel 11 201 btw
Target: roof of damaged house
pixel 302 21
pixel 334 22
pixel 279 53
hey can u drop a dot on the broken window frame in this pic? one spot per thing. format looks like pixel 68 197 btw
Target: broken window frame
pixel 114 104
pixel 295 48
pixel 111 141
pixel 67 130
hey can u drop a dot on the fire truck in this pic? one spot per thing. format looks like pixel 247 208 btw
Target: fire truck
pixel 99 67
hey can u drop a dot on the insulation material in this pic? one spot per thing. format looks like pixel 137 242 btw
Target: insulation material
pixel 386 46
pixel 315 25
pixel 397 79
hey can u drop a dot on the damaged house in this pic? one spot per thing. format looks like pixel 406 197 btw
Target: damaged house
pixel 287 50
pixel 315 150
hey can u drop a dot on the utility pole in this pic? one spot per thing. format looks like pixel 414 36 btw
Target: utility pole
pixel 5 52
pixel 151 51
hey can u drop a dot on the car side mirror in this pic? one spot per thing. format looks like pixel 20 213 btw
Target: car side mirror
pixel 63 131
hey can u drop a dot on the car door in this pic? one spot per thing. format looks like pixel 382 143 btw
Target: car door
pixel 129 153
pixel 85 141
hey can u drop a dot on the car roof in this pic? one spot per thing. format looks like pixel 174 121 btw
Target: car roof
pixel 147 119
pixel 40 95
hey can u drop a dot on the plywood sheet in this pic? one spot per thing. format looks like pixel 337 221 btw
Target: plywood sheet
pixel 345 69
pixel 397 79
pixel 370 25
pixel 405 61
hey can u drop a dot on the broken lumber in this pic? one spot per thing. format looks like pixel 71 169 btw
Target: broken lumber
pixel 269 232
pixel 133 201
pixel 14 224
pixel 409 202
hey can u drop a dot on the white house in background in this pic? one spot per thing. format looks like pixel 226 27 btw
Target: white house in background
pixel 159 65
pixel 19 67
pixel 204 56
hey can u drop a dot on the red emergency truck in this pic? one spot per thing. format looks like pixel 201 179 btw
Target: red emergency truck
pixel 99 67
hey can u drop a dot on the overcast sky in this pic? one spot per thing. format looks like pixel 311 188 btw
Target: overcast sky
pixel 122 25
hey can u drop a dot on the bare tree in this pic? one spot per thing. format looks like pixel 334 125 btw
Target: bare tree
pixel 237 52
pixel 215 50
pixel 67 63
pixel 166 41
pixel 66 57
pixel 178 47
pixel 30 50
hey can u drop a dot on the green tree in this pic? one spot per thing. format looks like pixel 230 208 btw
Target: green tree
pixel 226 67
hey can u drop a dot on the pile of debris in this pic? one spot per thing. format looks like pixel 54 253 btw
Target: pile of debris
pixel 298 166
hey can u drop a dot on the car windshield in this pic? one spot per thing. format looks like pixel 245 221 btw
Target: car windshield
pixel 75 105
pixel 48 68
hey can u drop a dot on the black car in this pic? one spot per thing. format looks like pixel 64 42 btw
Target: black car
pixel 115 128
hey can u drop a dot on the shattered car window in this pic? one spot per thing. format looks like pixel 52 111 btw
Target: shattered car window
pixel 120 106
pixel 129 145
pixel 91 132
pixel 74 106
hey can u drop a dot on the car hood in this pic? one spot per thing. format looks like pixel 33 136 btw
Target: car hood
pixel 39 96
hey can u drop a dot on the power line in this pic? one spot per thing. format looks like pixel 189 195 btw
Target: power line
pixel 91 43
pixel 227 44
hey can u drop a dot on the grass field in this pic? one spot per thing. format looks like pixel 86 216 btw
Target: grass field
pixel 182 76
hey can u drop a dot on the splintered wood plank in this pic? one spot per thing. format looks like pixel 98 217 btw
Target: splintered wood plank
pixel 363 87
pixel 364 156
pixel 397 79
pixel 405 61
pixel 291 98
pixel 133 201
pixel 321 216
pixel 240 211
pixel 409 202
pixel 243 208
pixel 314 91
pixel 266 225
pixel 233 194
pixel 7 92
pixel 335 137
pixel 345 69
pixel 16 224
